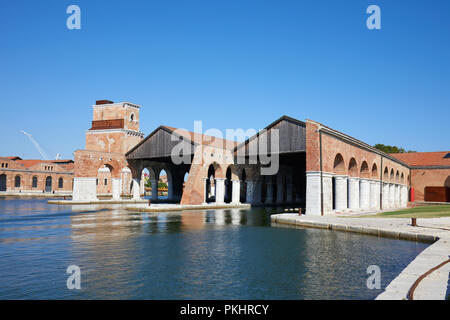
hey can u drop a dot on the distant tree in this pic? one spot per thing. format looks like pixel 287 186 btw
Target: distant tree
pixel 391 149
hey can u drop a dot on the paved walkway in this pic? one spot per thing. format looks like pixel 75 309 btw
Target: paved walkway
pixel 435 230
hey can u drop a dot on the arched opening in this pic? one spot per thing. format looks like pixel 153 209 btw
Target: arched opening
pixel 48 184
pixel 402 178
pixel 2 182
pixel 243 186
pixel 386 174
pixel 228 186
pixel 446 183
pixel 352 168
pixel 364 170
pixel 374 171
pixel 210 185
pixel 392 177
pixel 60 183
pixel 339 165
pixel 163 185
pixel 397 177
pixel 185 179
pixel 17 181
pixel 34 182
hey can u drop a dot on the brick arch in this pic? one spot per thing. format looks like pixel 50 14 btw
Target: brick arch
pixel 397 176
pixel 447 182
pixel 114 167
pixel 339 165
pixel 392 175
pixel 218 170
pixel 353 168
pixel 364 169
pixel 386 174
pixel 402 178
pixel 374 171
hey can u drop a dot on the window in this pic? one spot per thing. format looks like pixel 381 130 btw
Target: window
pixel 6 165
pixel 132 117
pixel 96 182
pixel 60 183
pixel 106 182
pixel 3 165
pixel 17 182
pixel 35 182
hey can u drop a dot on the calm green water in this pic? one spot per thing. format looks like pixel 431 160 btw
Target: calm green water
pixel 217 254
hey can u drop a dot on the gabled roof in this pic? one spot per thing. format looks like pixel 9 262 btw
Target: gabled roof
pixel 423 159
pixel 190 137
pixel 273 124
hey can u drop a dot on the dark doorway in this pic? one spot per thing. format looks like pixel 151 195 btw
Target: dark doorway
pixel 48 184
pixel 3 182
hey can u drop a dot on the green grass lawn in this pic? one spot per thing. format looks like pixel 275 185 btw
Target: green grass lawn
pixel 419 212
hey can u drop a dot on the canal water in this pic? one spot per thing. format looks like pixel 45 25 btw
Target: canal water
pixel 214 254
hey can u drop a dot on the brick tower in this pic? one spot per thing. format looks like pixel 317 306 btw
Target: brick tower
pixel 114 131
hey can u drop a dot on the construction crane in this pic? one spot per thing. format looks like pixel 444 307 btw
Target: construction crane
pixel 36 144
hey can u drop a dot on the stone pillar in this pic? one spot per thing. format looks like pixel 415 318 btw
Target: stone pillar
pixel 391 195
pixel 364 190
pixel 385 203
pixel 154 189
pixel 374 195
pixel 236 191
pixel 405 196
pixel 205 197
pixel 378 192
pixel 327 186
pixel 313 207
pixel 116 188
pixel 136 189
pixel 142 186
pixel 220 190
pixel 397 196
pixel 341 193
pixel 250 189
pixel 269 192
pixel 353 195
pixel 84 189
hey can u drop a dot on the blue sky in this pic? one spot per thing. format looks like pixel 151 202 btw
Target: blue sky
pixel 231 64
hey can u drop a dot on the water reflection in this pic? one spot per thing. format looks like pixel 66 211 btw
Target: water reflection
pixel 198 254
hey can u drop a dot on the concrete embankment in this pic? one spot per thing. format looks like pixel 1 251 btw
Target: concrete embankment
pixel 433 230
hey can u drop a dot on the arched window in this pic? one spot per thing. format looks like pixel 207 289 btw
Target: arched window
pixel 17 182
pixel 35 182
pixel 60 183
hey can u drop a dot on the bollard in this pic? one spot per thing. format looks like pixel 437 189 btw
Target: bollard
pixel 300 211
pixel 413 222
pixel 149 202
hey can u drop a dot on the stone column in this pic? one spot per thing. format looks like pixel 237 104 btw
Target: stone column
pixel 250 189
pixel 374 195
pixel 84 189
pixel 313 207
pixel 154 189
pixel 269 192
pixel 142 186
pixel 397 196
pixel 327 186
pixel 364 189
pixel 391 195
pixel 204 189
pixel 405 196
pixel 220 190
pixel 136 189
pixel 385 203
pixel 378 192
pixel 353 195
pixel 116 188
pixel 236 191
pixel 341 193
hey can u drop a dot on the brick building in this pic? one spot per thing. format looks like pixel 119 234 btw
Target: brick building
pixel 36 176
pixel 430 175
